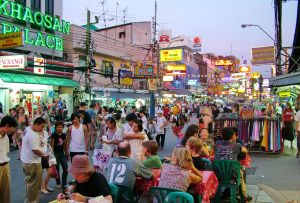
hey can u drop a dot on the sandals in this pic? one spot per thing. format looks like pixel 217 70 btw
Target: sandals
pixel 50 189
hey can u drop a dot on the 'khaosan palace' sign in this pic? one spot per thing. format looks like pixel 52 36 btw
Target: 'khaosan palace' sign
pixel 24 14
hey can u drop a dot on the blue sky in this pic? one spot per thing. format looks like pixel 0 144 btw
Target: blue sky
pixel 216 21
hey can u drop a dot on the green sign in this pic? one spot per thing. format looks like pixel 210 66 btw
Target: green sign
pixel 25 14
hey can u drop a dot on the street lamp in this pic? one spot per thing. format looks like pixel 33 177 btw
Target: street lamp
pixel 253 25
pixel 260 82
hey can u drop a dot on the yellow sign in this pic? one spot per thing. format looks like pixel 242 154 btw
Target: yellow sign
pixel 170 55
pixel 263 55
pixel 14 39
pixel 152 84
pixel 255 75
pixel 245 69
pixel 176 67
pixel 284 94
pixel 224 63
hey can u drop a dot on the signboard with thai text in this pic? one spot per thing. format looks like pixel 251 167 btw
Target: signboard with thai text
pixel 125 77
pixel 263 55
pixel 171 55
pixel 14 39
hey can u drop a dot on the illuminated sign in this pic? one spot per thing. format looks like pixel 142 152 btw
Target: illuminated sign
pixel 255 75
pixel 170 55
pixel 224 63
pixel 168 78
pixel 164 38
pixel 284 94
pixel 11 40
pixel 192 82
pixel 13 62
pixel 237 76
pixel 245 69
pixel 181 67
pixel 125 77
pixel 39 65
pixel 23 14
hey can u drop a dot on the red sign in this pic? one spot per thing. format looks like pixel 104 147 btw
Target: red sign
pixel 164 38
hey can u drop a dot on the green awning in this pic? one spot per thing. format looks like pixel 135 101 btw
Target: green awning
pixel 36 79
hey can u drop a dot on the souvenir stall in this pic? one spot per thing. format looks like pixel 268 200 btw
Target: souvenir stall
pixel 257 132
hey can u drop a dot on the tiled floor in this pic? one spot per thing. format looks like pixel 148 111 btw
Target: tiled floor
pixel 259 196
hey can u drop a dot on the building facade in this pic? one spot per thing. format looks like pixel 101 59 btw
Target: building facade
pixel 34 71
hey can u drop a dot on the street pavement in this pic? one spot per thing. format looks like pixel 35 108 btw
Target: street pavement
pixel 280 172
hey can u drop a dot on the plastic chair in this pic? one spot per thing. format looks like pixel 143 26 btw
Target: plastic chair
pixel 160 193
pixel 208 164
pixel 114 191
pixel 228 174
pixel 125 194
pixel 181 197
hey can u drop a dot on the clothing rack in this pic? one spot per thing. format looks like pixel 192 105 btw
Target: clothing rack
pixel 262 134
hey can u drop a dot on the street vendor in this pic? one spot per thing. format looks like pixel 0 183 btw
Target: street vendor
pixel 89 185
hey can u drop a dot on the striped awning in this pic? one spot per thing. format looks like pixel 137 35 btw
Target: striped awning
pixel 285 80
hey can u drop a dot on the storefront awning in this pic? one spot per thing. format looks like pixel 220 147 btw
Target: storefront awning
pixel 36 79
pixel 285 80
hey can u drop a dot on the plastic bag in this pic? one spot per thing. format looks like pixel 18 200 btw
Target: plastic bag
pixel 52 159
pixel 53 172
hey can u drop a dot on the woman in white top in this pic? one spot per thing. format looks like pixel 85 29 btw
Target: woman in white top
pixel 77 138
pixel 135 140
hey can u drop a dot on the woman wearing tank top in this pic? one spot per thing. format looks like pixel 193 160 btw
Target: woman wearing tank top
pixel 77 139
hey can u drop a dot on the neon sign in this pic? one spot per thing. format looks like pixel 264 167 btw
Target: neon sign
pixel 24 14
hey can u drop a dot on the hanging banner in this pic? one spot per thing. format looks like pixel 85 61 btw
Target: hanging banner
pixel 263 55
pixel 125 77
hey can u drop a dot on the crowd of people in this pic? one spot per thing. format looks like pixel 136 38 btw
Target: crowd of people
pixel 47 142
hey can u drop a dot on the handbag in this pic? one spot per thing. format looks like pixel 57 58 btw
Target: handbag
pixel 53 172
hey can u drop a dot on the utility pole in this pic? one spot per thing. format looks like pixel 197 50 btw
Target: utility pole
pixel 278 35
pixel 155 59
pixel 88 54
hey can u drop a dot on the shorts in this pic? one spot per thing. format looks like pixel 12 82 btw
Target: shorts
pixel 45 163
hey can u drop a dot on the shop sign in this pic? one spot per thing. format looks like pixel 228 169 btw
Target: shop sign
pixel 237 76
pixel 39 65
pixel 224 63
pixel 180 67
pixel 143 71
pixel 255 75
pixel 164 38
pixel 263 55
pixel 18 12
pixel 168 78
pixel 169 55
pixel 152 84
pixel 284 94
pixel 192 82
pixel 14 39
pixel 106 92
pixel 125 77
pixel 245 69
pixel 13 62
pixel 197 44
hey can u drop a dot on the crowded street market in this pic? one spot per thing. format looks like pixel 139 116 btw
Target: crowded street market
pixel 97 106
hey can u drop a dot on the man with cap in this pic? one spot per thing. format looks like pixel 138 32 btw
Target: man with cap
pixel 8 126
pixel 161 123
pixel 89 185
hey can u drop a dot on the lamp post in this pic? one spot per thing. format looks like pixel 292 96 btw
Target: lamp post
pixel 260 82
pixel 253 25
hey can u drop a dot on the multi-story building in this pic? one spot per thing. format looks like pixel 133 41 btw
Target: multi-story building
pixel 114 49
pixel 182 69
pixel 33 68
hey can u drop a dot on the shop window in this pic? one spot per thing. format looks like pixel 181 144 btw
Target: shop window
pixel 49 7
pixel 107 69
pixel 122 35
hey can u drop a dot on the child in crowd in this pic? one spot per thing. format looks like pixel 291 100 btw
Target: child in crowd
pixel 195 147
pixel 228 149
pixel 151 159
pixel 207 142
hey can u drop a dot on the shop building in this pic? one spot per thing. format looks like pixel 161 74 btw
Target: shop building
pixel 112 52
pixel 35 70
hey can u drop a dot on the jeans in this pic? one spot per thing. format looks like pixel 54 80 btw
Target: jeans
pixel 62 160
pixel 160 139
pixel 33 180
